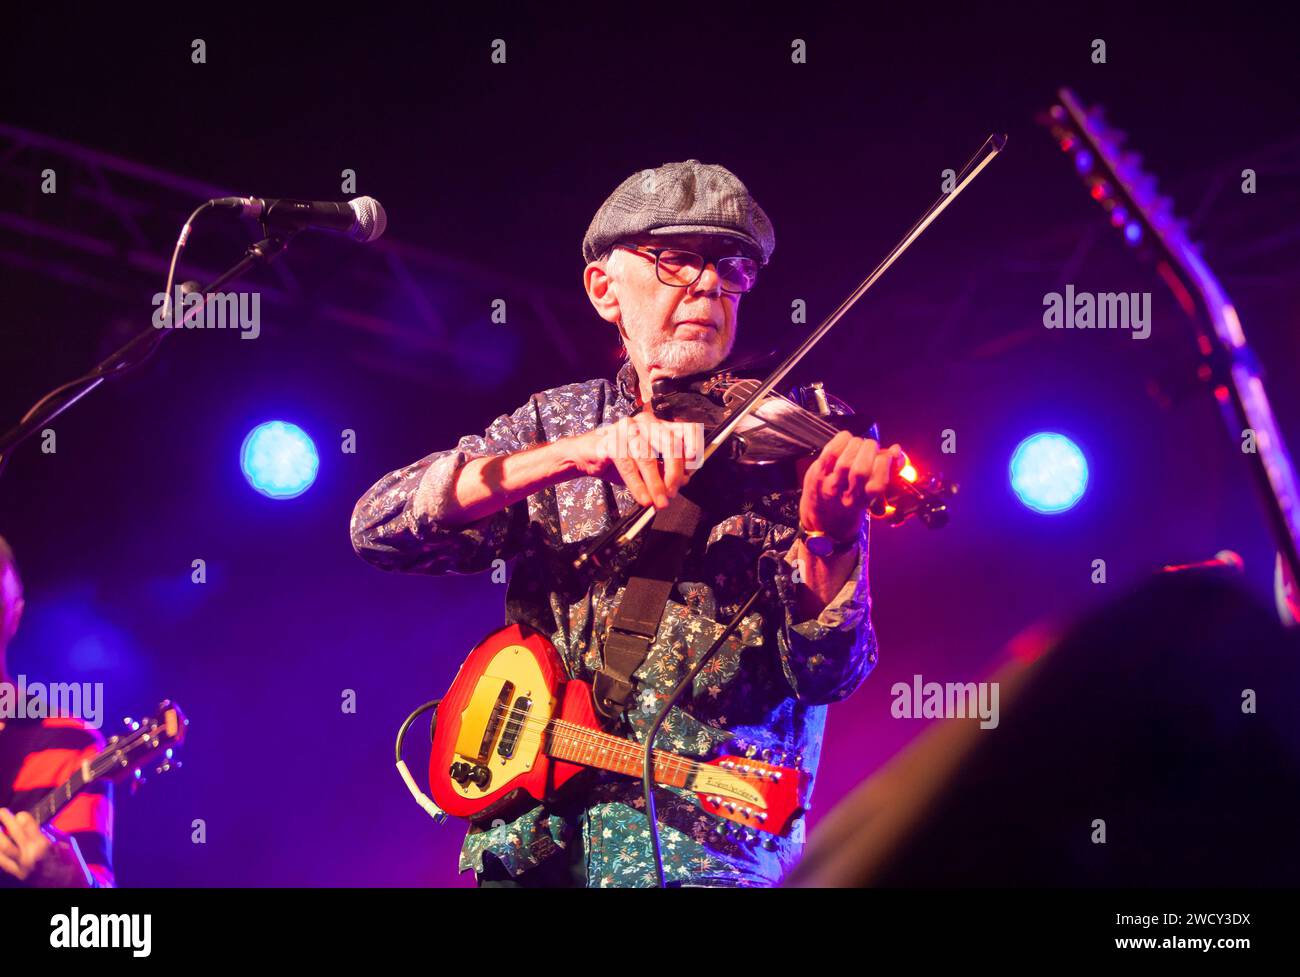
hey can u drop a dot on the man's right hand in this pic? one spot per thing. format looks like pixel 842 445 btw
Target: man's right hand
pixel 39 856
pixel 652 457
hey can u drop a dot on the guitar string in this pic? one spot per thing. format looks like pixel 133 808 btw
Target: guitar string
pixel 100 765
pixel 591 738
pixel 633 752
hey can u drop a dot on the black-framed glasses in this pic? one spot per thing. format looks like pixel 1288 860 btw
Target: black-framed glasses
pixel 681 269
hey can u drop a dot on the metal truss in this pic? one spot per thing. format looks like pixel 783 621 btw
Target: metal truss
pixel 110 226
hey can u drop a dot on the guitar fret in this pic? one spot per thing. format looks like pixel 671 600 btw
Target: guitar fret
pixel 594 748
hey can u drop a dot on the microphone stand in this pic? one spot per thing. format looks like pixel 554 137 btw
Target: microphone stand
pixel 137 350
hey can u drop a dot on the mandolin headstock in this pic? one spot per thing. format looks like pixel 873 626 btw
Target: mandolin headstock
pixel 752 792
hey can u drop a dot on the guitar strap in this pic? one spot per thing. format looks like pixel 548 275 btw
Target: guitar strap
pixel 641 608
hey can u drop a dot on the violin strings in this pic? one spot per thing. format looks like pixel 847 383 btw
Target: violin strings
pixel 795 414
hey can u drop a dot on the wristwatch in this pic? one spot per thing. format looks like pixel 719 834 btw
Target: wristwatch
pixel 820 544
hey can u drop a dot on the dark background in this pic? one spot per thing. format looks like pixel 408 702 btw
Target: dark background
pixel 490 174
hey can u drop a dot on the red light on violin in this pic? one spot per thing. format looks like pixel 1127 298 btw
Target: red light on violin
pixel 1067 143
pixel 1098 191
pixel 907 473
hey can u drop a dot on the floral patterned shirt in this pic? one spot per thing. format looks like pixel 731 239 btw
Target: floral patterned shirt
pixel 766 688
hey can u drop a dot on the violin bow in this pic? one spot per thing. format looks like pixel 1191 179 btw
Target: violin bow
pixel 639 519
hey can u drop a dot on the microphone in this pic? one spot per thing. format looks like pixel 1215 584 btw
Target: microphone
pixel 362 219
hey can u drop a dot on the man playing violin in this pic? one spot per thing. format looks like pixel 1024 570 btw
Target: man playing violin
pixel 668 257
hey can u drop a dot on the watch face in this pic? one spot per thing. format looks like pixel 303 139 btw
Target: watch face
pixel 819 545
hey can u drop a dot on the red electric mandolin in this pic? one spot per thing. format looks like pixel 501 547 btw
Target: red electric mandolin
pixel 513 727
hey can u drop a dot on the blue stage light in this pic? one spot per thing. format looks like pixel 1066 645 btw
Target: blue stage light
pixel 1048 472
pixel 279 459
pixel 1133 232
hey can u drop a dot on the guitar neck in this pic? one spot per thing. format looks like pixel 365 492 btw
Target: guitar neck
pixel 593 748
pixel 56 800
pixel 1246 405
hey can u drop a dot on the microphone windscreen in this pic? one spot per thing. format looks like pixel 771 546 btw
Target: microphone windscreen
pixel 371 219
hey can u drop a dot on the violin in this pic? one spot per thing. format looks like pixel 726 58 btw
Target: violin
pixel 795 427
pixel 762 466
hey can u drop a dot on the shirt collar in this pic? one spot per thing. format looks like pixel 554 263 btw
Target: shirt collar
pixel 628 383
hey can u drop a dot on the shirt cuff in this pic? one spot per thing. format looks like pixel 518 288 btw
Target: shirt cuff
pixel 434 495
pixel 846 610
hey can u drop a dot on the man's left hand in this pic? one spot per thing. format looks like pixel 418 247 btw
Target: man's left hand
pixel 840 485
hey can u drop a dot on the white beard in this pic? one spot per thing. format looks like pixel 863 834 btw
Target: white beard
pixel 680 357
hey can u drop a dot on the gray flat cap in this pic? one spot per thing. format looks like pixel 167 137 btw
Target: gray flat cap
pixel 681 198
